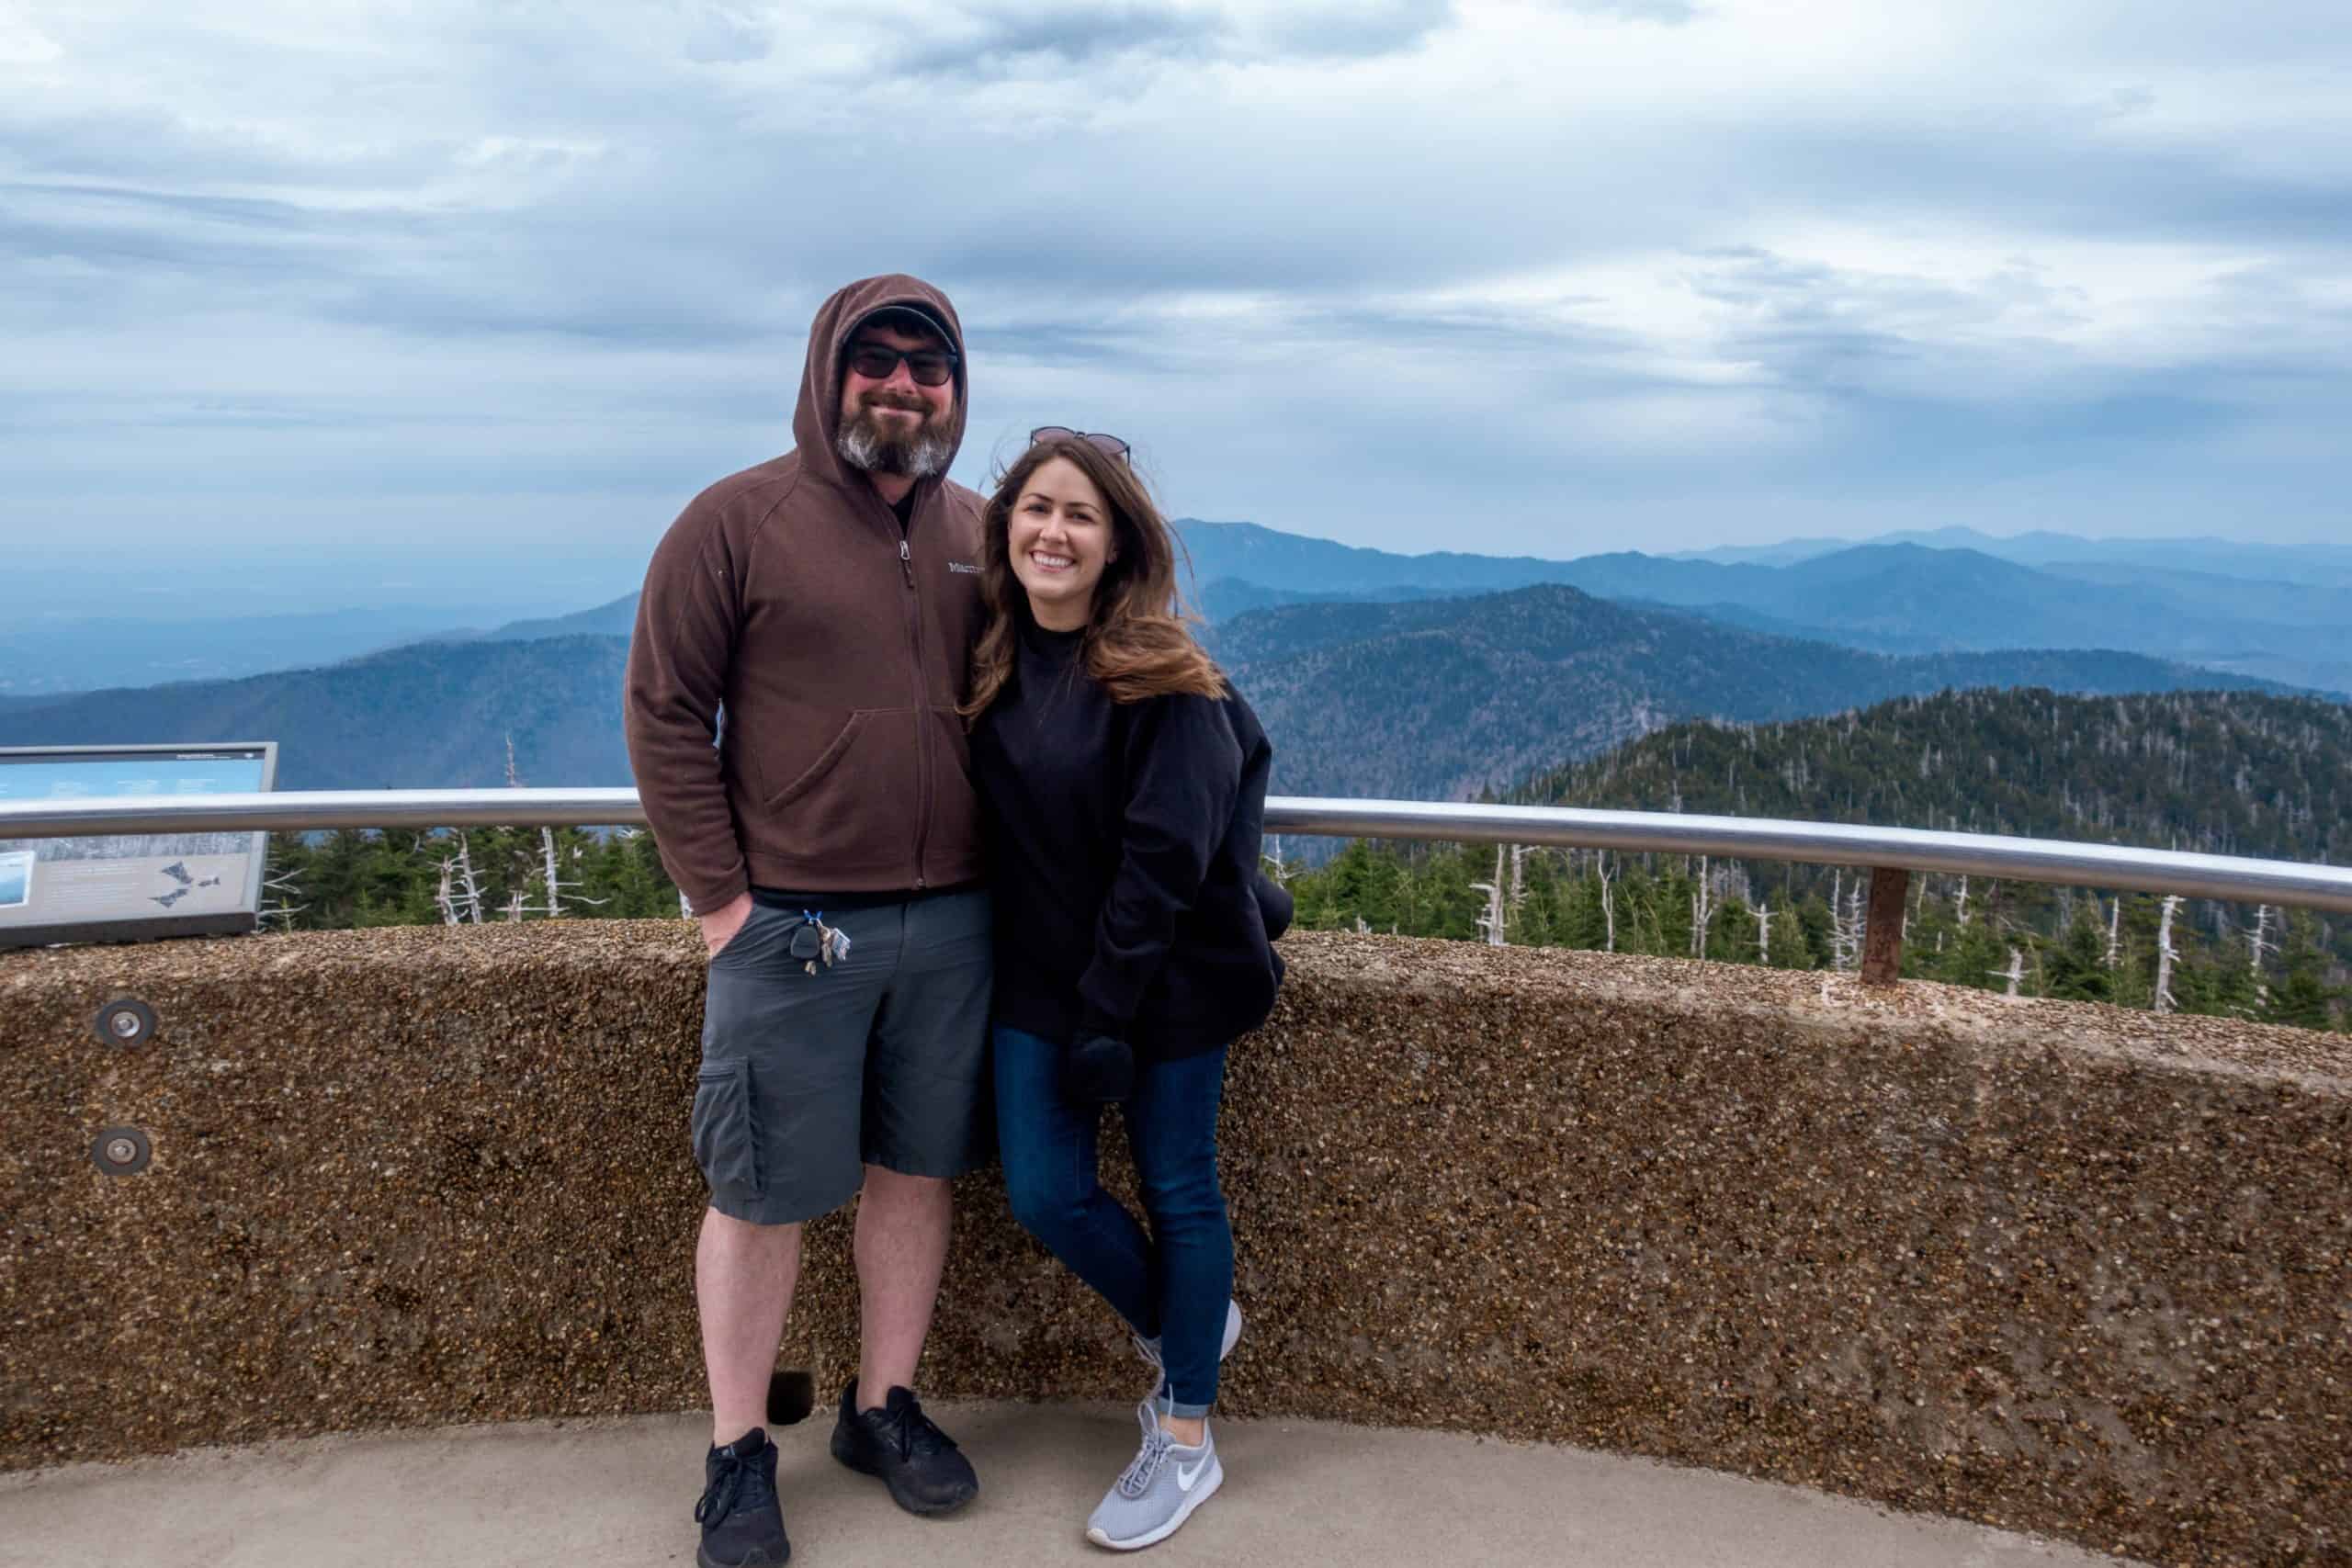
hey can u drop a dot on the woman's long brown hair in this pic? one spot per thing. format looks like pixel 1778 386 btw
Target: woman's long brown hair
pixel 1137 642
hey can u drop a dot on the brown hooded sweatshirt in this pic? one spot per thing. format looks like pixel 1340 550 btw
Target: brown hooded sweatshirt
pixel 839 647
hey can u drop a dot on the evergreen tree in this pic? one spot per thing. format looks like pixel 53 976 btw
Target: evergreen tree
pixel 2302 997
pixel 2075 969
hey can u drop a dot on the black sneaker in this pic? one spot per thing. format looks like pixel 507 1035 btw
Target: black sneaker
pixel 741 1521
pixel 921 1466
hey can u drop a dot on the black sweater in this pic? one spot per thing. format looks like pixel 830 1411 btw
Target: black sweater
pixel 1122 843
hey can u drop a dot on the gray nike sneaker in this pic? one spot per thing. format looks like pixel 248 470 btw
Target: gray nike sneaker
pixel 1159 1490
pixel 1150 1350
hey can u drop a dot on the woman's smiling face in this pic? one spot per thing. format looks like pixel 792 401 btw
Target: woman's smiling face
pixel 1058 539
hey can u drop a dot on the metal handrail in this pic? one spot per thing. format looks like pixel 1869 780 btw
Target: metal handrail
pixel 2066 862
pixel 1741 838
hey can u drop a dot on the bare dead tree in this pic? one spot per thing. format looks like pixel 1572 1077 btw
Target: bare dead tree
pixel 1845 923
pixel 1275 867
pixel 1491 922
pixel 1960 917
pixel 441 894
pixel 2165 957
pixel 513 779
pixel 2115 932
pixel 288 889
pixel 556 886
pixel 2258 948
pixel 514 908
pixel 1608 901
pixel 1764 934
pixel 471 906
pixel 1836 919
pixel 1702 909
pixel 2015 973
pixel 1518 875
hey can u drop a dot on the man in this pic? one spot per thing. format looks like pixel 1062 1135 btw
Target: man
pixel 826 836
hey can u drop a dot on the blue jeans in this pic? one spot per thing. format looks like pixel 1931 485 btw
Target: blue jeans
pixel 1173 1283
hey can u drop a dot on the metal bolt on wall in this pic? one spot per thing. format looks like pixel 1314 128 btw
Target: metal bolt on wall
pixel 126 1020
pixel 122 1151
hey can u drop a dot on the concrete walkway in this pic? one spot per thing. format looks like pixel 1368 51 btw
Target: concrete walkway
pixel 620 1494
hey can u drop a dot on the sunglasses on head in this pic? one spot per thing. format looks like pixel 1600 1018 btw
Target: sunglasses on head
pixel 1110 446
pixel 879 362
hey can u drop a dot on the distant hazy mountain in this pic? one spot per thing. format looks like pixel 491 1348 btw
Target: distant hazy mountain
pixel 1958 598
pixel 434 715
pixel 1245 552
pixel 618 618
pixel 1886 598
pixel 1788 552
pixel 2314 562
pixel 1439 699
pixel 1910 596
pixel 2219 558
pixel 1228 597
pixel 2307 602
pixel 40 656
pixel 1740 615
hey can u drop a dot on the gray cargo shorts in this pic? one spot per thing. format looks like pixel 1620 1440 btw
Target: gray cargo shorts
pixel 879 1059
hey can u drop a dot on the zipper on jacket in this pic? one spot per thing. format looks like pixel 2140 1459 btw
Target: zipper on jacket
pixel 923 706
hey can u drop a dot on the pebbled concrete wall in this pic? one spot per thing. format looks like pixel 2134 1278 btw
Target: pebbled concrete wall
pixel 2056 1267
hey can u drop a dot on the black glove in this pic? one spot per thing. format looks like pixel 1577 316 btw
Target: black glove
pixel 1098 1070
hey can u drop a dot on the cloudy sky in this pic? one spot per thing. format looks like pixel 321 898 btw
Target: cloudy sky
pixel 422 291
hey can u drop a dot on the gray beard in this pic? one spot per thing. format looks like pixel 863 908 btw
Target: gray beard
pixel 862 445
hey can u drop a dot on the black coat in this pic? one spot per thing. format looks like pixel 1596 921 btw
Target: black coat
pixel 1122 842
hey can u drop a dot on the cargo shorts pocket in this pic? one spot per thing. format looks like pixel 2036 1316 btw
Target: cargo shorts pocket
pixel 726 1143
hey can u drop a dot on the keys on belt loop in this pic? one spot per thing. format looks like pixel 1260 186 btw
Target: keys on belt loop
pixel 813 940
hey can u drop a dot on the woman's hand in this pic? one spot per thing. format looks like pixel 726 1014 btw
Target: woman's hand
pixel 1098 1070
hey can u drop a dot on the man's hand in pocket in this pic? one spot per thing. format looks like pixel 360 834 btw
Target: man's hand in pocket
pixel 718 927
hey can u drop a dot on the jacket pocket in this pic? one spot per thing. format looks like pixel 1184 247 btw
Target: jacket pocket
pixel 827 760
pixel 852 812
pixel 725 1135
pixel 955 738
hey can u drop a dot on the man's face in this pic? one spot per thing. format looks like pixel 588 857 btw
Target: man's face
pixel 893 423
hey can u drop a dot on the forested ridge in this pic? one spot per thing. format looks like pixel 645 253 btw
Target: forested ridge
pixel 2220 772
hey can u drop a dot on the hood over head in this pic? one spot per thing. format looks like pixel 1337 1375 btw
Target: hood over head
pixel 817 422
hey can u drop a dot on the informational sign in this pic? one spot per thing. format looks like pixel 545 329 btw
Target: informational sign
pixel 118 888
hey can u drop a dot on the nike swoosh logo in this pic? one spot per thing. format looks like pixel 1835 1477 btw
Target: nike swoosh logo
pixel 1187 1476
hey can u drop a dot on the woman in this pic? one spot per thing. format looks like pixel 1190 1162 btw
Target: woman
pixel 1125 787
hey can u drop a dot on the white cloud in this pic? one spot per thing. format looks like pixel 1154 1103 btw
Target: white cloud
pixel 1331 265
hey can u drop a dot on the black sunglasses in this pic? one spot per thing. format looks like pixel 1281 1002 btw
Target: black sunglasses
pixel 1110 446
pixel 879 362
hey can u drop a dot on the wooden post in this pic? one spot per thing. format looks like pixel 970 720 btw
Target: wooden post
pixel 1882 935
